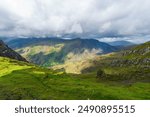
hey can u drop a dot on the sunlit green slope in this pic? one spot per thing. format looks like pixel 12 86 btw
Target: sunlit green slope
pixel 20 80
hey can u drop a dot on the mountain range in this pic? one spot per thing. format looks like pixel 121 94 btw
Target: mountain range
pixel 55 51
pixel 118 75
pixel 121 43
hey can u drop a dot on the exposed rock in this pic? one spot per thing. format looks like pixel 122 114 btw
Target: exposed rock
pixel 137 56
pixel 142 51
pixel 5 51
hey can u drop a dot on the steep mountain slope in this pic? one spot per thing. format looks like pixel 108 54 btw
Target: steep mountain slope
pixel 130 65
pixel 5 51
pixel 54 51
pixel 138 56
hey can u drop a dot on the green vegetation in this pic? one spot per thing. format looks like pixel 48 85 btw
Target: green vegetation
pixel 21 80
pixel 9 65
pixel 50 52
pixel 101 74
pixel 128 66
pixel 44 55
pixel 123 75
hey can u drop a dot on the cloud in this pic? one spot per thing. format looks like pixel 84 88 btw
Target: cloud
pixel 82 17
pixel 133 39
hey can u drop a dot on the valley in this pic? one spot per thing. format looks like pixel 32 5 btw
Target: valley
pixel 71 55
pixel 75 71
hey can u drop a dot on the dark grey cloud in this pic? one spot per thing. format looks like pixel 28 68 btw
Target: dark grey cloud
pixel 97 18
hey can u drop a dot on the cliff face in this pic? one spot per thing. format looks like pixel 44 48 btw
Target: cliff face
pixel 5 51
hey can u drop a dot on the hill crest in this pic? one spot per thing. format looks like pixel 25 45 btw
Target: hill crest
pixel 5 51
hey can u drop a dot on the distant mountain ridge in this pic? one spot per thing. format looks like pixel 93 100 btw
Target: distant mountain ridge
pixel 121 43
pixel 5 51
pixel 53 51
pixel 88 43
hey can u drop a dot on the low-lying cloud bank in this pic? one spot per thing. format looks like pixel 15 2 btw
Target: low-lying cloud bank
pixel 85 18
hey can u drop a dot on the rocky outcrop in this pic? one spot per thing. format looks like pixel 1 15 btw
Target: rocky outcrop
pixel 138 56
pixel 142 51
pixel 5 51
pixel 136 62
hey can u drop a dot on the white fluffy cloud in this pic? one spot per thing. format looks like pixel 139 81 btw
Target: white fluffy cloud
pixel 84 17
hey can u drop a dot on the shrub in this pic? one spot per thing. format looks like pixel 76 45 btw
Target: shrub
pixel 100 73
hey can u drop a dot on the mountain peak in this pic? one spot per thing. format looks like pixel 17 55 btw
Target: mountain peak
pixel 5 51
pixel 1 43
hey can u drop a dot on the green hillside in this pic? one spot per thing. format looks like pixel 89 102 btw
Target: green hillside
pixel 19 80
pixel 123 75
pixel 130 65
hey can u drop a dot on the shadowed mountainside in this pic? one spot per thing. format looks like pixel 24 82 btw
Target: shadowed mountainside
pixel 5 51
pixel 54 51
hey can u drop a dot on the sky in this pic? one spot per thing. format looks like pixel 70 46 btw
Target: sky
pixel 103 19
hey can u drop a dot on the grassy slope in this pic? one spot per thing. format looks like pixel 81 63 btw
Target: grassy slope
pixel 44 55
pixel 75 63
pixel 20 80
pixel 125 61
